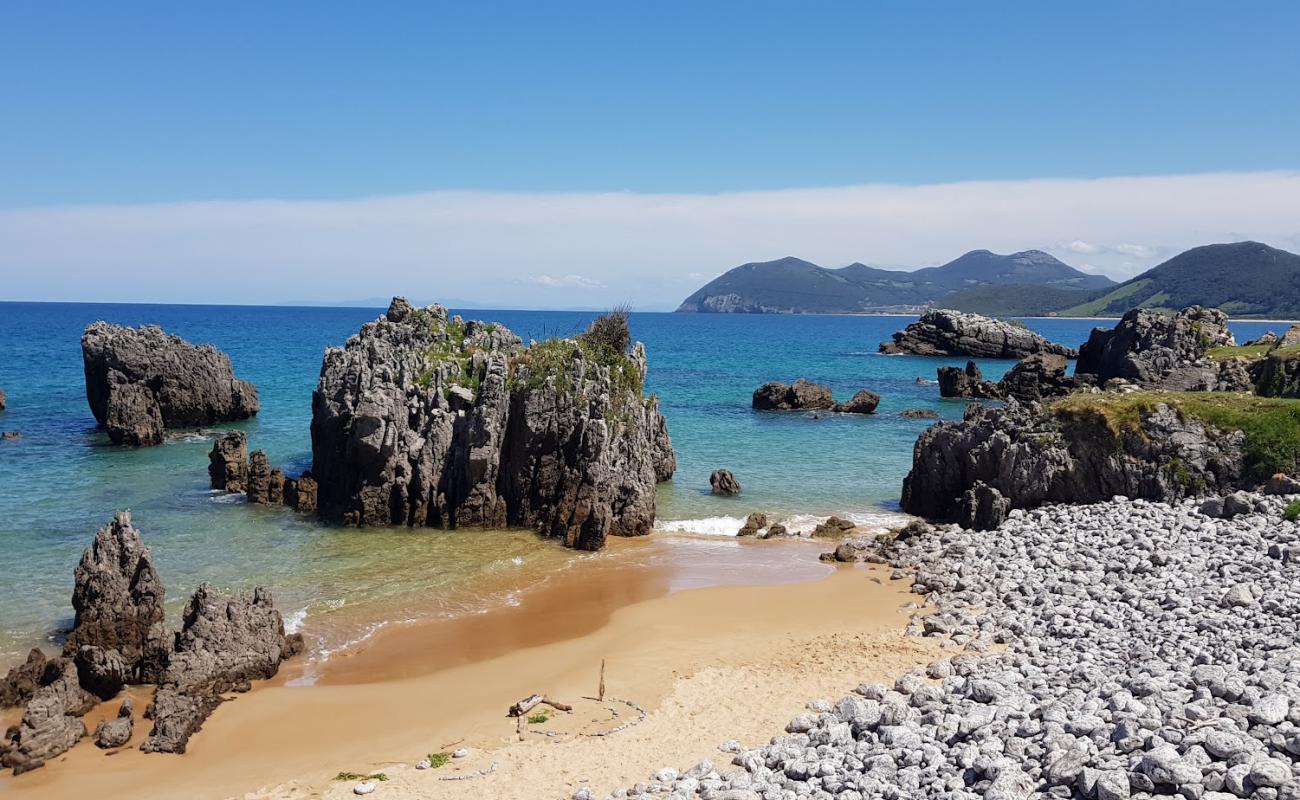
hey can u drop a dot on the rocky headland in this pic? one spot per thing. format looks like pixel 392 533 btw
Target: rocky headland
pixel 804 395
pixel 426 419
pixel 941 332
pixel 119 637
pixel 1121 650
pixel 140 382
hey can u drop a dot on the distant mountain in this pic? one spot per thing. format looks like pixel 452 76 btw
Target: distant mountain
pixel 794 286
pixel 1245 279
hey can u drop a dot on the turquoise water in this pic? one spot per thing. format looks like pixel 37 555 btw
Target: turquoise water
pixel 62 480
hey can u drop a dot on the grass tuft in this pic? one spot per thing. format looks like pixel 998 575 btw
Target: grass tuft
pixel 1292 511
pixel 356 776
pixel 438 759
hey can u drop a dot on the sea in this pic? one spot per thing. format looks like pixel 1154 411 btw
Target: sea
pixel 62 479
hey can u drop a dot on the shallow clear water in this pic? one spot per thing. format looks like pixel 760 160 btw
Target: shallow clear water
pixel 62 480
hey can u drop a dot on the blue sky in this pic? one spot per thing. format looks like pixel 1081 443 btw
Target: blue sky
pixel 131 102
pixel 577 154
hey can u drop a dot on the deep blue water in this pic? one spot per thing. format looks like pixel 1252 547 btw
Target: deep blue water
pixel 63 480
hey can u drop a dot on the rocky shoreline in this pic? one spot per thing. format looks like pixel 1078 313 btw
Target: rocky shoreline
pixel 1125 649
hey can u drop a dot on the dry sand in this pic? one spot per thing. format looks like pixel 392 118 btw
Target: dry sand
pixel 708 664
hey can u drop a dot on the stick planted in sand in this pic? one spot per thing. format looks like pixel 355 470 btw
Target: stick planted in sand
pixel 600 692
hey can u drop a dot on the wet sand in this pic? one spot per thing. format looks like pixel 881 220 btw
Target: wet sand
pixel 709 664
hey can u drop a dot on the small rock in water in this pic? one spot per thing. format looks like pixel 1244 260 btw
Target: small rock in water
pixel 723 483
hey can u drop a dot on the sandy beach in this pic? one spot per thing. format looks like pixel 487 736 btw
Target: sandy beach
pixel 706 664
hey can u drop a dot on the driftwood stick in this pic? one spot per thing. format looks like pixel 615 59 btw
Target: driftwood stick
pixel 600 693
pixel 532 701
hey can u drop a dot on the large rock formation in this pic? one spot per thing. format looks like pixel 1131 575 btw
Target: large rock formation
pixel 1156 350
pixel 423 419
pixel 941 332
pixel 119 637
pixel 118 599
pixel 142 381
pixel 225 642
pixel 228 462
pixel 1032 456
pixel 804 395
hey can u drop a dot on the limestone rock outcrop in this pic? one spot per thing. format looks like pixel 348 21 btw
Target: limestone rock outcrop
pixel 228 462
pixel 232 468
pixel 1031 456
pixel 426 419
pixel 22 681
pixel 942 332
pixel 968 382
pixel 119 637
pixel 804 395
pixel 118 599
pixel 225 643
pixel 51 723
pixel 1156 350
pixel 142 381
pixel 723 483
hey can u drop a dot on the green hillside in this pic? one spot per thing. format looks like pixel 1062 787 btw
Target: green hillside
pixel 1245 279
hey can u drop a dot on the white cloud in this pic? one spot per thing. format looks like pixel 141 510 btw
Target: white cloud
pixel 1081 247
pixel 494 248
pixel 565 282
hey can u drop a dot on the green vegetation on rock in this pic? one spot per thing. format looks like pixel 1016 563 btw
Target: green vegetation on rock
pixel 1271 424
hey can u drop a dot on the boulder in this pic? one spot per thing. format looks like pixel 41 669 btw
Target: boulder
pixel 775 531
pixel 23 680
pixel 920 413
pixel 862 402
pixel 802 395
pixel 753 524
pixel 1032 455
pixel 1281 483
pixel 300 493
pixel 982 508
pixel 722 482
pixel 102 671
pixel 941 332
pixel 853 551
pixel 1155 350
pixel 968 382
pixel 142 381
pixel 3 400
pixel 51 723
pixel 834 526
pixel 1038 377
pixel 228 462
pixel 118 600
pixel 116 732
pixel 557 436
